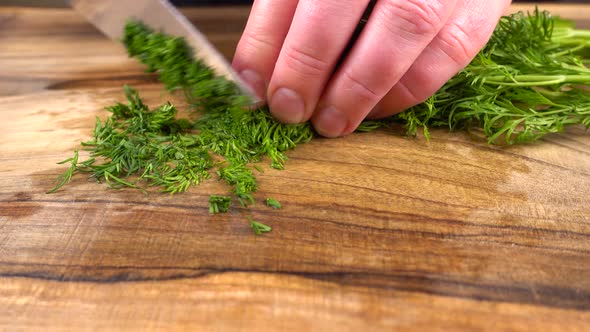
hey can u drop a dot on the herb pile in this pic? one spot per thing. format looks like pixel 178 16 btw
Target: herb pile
pixel 527 82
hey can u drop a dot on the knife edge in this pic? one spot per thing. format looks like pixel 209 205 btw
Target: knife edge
pixel 111 16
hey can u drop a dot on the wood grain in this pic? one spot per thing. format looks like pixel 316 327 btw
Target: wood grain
pixel 379 232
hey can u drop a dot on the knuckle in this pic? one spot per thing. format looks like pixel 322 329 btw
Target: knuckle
pixel 255 40
pixel 458 43
pixel 416 17
pixel 304 62
pixel 413 95
pixel 362 90
pixel 405 94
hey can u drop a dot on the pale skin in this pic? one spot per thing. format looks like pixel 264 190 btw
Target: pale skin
pixel 406 52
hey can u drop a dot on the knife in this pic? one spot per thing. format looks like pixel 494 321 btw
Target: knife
pixel 110 17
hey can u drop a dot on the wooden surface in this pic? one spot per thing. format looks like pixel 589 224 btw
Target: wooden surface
pixel 378 232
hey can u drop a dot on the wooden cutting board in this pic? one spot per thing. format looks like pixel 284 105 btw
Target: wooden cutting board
pixel 378 232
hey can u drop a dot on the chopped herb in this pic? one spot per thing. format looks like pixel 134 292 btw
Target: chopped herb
pixel 219 204
pixel 136 143
pixel 259 228
pixel 242 178
pixel 273 203
pixel 258 168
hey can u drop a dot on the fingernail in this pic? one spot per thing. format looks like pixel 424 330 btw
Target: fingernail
pixel 287 106
pixel 331 122
pixel 254 81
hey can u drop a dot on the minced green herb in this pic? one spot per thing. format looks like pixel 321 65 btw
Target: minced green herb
pixel 273 203
pixel 527 82
pixel 259 228
pixel 219 204
pixel 137 145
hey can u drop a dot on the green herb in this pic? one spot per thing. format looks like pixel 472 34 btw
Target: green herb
pixel 66 177
pixel 259 228
pixel 136 143
pixel 153 146
pixel 523 85
pixel 219 204
pixel 273 203
pixel 526 83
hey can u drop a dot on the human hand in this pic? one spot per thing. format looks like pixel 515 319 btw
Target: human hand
pixel 406 52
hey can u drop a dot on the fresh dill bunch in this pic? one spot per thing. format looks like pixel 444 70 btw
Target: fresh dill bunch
pixel 219 204
pixel 525 83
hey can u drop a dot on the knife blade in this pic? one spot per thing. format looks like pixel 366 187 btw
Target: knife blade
pixel 110 17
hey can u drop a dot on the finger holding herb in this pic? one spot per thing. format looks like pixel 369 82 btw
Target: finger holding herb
pixel 530 80
pixel 527 82
pixel 406 51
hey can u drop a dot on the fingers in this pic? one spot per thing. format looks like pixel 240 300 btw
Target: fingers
pixel 396 34
pixel 261 42
pixel 459 41
pixel 408 50
pixel 319 33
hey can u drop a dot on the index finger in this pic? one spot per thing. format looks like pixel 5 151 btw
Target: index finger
pixel 261 42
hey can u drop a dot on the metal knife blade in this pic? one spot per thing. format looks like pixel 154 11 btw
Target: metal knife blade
pixel 110 17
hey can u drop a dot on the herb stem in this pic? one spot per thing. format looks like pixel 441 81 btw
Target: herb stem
pixel 536 80
pixel 561 34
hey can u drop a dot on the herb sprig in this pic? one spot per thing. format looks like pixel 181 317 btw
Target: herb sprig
pixel 66 177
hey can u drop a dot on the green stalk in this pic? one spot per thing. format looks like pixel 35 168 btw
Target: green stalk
pixel 536 80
